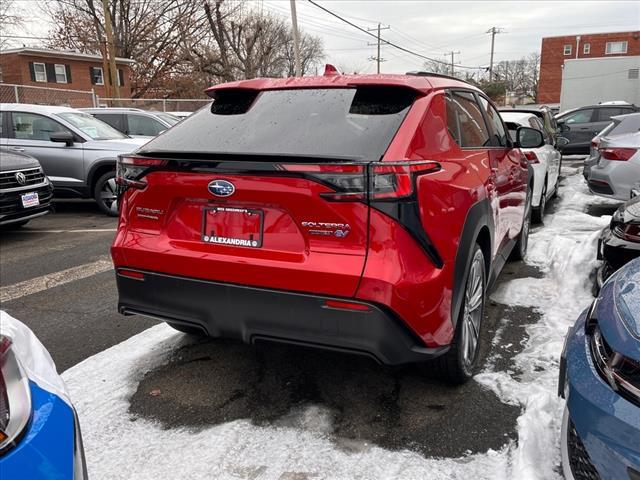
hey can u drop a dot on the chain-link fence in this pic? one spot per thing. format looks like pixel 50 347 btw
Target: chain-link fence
pixel 10 93
pixel 161 104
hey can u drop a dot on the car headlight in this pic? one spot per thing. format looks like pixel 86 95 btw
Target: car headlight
pixel 15 397
pixel 620 372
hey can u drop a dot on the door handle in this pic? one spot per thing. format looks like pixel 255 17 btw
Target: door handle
pixel 16 149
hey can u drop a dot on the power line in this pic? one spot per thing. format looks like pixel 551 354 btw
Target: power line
pixel 386 41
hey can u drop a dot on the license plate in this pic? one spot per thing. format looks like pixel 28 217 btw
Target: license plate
pixel 30 200
pixel 238 227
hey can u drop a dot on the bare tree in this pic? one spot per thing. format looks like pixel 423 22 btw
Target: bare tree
pixel 437 67
pixel 9 20
pixel 153 33
pixel 251 44
pixel 311 53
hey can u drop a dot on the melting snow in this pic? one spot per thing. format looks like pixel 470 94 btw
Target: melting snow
pixel 298 446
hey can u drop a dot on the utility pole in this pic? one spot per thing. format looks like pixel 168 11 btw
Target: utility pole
pixel 113 72
pixel 296 39
pixel 377 58
pixel 493 31
pixel 452 53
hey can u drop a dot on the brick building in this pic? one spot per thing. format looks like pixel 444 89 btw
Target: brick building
pixel 555 50
pixel 41 67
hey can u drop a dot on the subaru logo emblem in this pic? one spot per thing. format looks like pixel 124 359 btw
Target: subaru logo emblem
pixel 221 188
pixel 21 178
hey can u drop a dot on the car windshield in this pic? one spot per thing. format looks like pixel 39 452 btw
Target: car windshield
pixel 330 123
pixel 168 118
pixel 91 126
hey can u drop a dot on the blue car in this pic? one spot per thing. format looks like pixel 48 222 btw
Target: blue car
pixel 600 379
pixel 39 430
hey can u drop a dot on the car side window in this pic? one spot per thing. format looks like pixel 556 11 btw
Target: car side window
pixel 581 116
pixel 605 114
pixel 115 120
pixel 31 126
pixel 464 120
pixel 496 127
pixel 142 125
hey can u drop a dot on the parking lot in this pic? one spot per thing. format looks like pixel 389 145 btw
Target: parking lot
pixel 56 276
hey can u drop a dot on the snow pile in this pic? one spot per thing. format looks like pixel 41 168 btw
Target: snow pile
pixel 565 251
pixel 299 446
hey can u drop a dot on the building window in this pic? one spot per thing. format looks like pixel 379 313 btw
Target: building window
pixel 61 73
pixel 567 49
pixel 40 72
pixel 616 48
pixel 586 48
pixel 97 76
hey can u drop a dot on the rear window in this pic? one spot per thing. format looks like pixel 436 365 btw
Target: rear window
pixel 629 124
pixel 351 123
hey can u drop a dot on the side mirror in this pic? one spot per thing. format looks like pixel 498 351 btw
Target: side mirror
pixel 62 137
pixel 562 141
pixel 529 138
pixel 563 127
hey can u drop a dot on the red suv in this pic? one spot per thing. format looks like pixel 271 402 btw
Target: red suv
pixel 365 213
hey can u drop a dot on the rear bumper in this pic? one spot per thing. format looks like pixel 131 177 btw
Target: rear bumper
pixel 253 314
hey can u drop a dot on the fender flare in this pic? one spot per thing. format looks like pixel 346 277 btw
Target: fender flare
pixel 478 217
pixel 97 165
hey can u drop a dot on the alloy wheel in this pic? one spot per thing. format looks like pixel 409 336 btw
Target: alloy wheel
pixel 109 195
pixel 472 316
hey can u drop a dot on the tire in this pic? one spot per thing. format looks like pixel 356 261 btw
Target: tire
pixel 556 186
pixel 520 250
pixel 459 364
pixel 538 213
pixel 105 194
pixel 188 329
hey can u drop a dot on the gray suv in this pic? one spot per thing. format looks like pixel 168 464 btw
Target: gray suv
pixel 582 124
pixel 77 152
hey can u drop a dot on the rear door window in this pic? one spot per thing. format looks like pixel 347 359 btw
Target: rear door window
pixel 605 114
pixel 497 131
pixel 464 120
pixel 350 123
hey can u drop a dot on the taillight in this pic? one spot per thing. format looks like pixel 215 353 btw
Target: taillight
pixel 595 142
pixel 532 157
pixel 619 154
pixel 130 170
pixel 374 181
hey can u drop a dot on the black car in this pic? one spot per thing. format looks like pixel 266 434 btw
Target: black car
pixel 25 191
pixel 620 241
pixel 580 125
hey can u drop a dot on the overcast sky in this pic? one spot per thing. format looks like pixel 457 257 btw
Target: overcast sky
pixel 433 28
pixel 430 28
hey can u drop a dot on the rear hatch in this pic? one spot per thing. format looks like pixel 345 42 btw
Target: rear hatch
pixel 265 188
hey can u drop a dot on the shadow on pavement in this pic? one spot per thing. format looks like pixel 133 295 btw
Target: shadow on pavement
pixel 214 381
